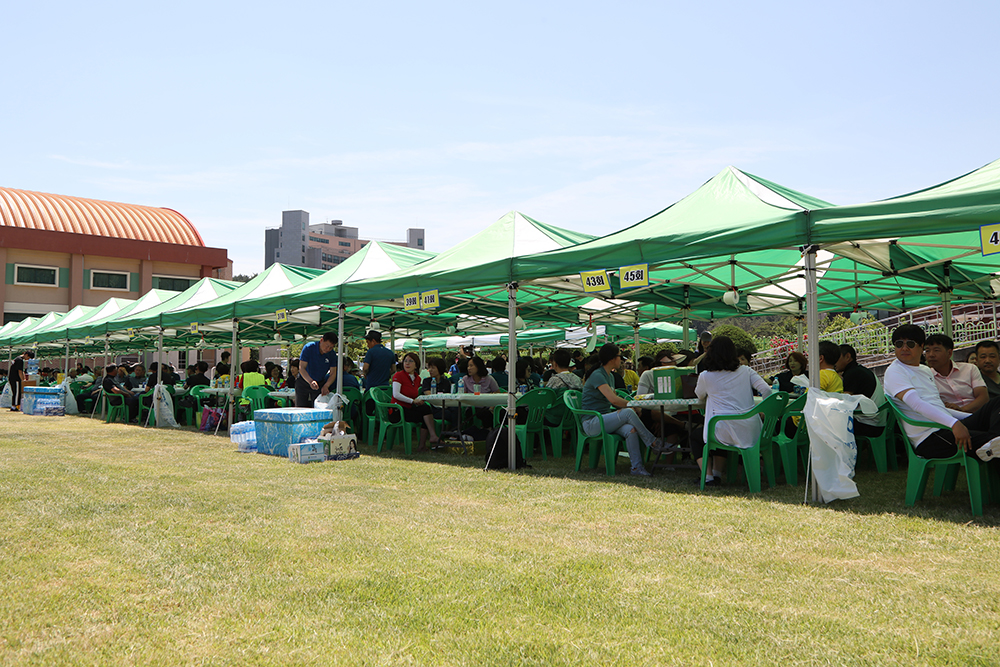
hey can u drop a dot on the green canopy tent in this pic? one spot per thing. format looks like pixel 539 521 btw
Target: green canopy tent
pixel 308 308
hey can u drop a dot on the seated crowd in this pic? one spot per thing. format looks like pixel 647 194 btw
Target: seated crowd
pixel 924 382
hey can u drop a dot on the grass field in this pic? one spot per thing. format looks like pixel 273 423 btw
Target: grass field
pixel 127 546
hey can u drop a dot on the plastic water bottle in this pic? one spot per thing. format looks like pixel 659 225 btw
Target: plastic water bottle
pixel 434 385
pixel 775 386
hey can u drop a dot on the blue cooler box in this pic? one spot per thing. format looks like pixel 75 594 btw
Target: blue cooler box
pixel 279 427
pixel 33 394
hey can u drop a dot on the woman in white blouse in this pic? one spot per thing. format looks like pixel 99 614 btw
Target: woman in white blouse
pixel 727 389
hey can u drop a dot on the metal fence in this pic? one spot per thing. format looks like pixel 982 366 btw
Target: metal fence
pixel 970 324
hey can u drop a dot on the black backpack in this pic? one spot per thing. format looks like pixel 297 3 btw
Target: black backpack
pixel 496 451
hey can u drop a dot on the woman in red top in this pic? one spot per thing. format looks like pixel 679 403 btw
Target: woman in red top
pixel 406 394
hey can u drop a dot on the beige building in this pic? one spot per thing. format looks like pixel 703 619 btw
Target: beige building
pixel 59 252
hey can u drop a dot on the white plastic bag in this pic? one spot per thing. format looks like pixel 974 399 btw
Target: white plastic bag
pixel 6 396
pixel 331 401
pixel 163 407
pixel 834 451
pixel 71 407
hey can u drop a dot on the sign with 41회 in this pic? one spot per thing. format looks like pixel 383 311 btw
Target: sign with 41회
pixel 421 300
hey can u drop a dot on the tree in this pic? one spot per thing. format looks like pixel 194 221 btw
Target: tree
pixel 244 278
pixel 741 339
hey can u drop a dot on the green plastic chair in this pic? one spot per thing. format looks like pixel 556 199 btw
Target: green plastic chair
pixel 257 397
pixel 883 447
pixel 537 402
pixel 605 443
pixel 369 416
pixel 191 414
pixel 391 426
pixel 567 422
pixel 793 450
pixel 946 469
pixel 114 405
pixel 625 393
pixel 354 398
pixel 144 409
pixel 771 408
pixel 83 403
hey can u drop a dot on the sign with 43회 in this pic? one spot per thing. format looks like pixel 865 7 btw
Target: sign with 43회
pixel 595 281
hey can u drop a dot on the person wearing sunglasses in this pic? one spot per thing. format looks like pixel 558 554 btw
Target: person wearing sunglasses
pixel 912 389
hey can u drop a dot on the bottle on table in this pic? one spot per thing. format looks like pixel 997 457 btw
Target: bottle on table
pixel 434 386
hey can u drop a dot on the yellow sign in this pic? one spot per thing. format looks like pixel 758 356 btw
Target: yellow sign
pixel 194 327
pixel 429 300
pixel 282 316
pixel 411 301
pixel 634 276
pixel 989 235
pixel 130 331
pixel 595 281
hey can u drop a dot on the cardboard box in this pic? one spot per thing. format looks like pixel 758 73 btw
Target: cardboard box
pixel 277 428
pixel 340 447
pixel 667 381
pixel 306 452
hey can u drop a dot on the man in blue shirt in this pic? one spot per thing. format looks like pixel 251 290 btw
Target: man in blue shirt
pixel 317 370
pixel 379 363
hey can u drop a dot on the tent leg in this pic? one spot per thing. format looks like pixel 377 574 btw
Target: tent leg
pixel 635 346
pixel 798 326
pixel 420 349
pixel 686 336
pixel 946 314
pixel 812 327
pixel 338 409
pixel 232 372
pixel 511 377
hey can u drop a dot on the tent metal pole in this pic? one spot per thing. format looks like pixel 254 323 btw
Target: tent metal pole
pixel 511 377
pixel 233 359
pixel 812 327
pixel 338 406
pixel 66 365
pixel 635 345
pixel 686 336
pixel 946 302
pixel 159 373
pixel 946 323
pixel 392 339
pixel 798 326
pixel 420 348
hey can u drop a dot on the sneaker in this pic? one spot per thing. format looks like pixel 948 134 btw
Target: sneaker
pixel 990 450
pixel 715 481
pixel 659 446
pixel 641 472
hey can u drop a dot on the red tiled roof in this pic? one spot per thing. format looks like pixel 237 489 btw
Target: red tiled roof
pixel 75 215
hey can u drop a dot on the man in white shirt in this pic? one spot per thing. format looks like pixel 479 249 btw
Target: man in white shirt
pixel 961 385
pixel 912 388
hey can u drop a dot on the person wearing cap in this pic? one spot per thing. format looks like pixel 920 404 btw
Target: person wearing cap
pixel 317 370
pixel 379 363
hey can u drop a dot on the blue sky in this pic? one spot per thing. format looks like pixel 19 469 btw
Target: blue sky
pixel 445 116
